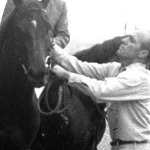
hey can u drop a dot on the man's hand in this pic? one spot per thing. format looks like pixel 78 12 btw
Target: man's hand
pixel 60 72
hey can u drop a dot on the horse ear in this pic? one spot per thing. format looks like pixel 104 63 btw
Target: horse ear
pixel 44 3
pixel 18 2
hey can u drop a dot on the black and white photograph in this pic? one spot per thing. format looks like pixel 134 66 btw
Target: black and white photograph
pixel 75 75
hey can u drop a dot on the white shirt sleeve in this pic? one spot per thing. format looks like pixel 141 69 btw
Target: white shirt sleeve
pixel 93 70
pixel 124 87
pixel 103 81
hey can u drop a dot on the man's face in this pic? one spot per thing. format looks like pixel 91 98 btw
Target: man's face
pixel 130 47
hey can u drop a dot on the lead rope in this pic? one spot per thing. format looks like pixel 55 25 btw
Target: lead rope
pixel 56 109
pixel 49 64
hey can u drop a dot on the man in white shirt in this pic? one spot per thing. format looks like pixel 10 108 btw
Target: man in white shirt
pixel 126 85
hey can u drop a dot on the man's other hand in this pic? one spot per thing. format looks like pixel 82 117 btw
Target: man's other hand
pixel 60 71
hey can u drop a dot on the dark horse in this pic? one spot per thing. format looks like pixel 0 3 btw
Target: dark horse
pixel 77 122
pixel 23 44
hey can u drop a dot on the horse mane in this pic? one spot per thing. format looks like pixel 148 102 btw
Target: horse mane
pixel 101 53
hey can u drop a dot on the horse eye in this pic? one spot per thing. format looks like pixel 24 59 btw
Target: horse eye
pixel 34 23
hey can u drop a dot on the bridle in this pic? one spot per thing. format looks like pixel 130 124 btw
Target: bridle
pixel 61 93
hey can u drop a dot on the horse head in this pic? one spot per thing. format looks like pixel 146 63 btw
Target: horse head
pixel 28 27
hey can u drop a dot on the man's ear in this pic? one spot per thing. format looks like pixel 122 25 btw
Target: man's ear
pixel 143 53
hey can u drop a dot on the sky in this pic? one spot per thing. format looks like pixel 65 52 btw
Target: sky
pixel 103 19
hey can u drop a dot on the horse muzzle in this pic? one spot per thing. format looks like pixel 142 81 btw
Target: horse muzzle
pixel 38 79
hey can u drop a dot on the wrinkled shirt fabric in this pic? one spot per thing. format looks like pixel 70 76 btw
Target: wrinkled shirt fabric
pixel 127 90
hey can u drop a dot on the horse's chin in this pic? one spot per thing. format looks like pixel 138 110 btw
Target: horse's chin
pixel 38 82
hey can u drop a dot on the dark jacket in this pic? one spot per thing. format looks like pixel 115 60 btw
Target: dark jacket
pixel 57 12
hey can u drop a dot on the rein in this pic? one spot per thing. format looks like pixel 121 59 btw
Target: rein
pixel 61 97
pixel 61 94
